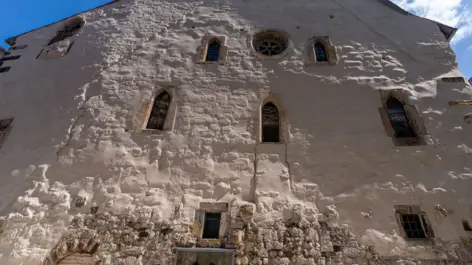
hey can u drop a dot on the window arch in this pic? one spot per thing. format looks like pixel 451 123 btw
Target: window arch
pixel 213 50
pixel 70 28
pixel 320 52
pixel 399 119
pixel 270 123
pixel 159 111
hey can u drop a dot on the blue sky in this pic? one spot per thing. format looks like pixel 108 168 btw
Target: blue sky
pixel 23 15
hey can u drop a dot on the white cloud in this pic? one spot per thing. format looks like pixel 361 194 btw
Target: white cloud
pixel 453 13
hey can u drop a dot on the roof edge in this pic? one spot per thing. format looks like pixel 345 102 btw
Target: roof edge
pixel 12 40
pixel 448 31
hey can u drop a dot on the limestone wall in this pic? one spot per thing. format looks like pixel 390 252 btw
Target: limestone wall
pixel 76 149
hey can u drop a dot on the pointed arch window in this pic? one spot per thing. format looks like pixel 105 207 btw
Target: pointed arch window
pixel 320 52
pixel 270 123
pixel 159 111
pixel 399 119
pixel 213 50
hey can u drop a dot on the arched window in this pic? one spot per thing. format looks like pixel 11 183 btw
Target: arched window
pixel 270 123
pixel 159 111
pixel 320 53
pixel 196 263
pixel 399 119
pixel 213 51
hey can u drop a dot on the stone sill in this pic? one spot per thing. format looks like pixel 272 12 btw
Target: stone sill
pixel 322 64
pixel 413 141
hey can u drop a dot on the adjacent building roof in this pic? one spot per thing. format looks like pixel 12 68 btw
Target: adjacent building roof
pixel 448 31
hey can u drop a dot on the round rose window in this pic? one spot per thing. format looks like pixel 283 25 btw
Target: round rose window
pixel 270 42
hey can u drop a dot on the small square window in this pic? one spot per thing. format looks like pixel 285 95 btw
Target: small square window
pixel 412 226
pixel 466 226
pixel 211 228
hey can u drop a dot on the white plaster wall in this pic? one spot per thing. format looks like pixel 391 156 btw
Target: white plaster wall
pixel 73 128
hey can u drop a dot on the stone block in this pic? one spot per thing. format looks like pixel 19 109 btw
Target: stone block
pixel 215 207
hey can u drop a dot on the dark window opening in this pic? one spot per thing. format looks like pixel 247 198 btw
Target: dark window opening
pixel 68 31
pixel 4 69
pixel 213 51
pixel 196 263
pixel 211 228
pixel 412 224
pixel 466 225
pixel 320 52
pixel 270 123
pixel 398 119
pixel 19 47
pixel 159 111
pixel 9 58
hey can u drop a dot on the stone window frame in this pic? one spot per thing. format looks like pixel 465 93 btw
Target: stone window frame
pixel 53 48
pixel 74 243
pixel 203 48
pixel 271 57
pixel 145 110
pixel 413 210
pixel 199 223
pixel 283 127
pixel 417 123
pixel 453 79
pixel 5 128
pixel 331 52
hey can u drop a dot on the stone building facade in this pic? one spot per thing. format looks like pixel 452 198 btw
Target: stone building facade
pixel 235 133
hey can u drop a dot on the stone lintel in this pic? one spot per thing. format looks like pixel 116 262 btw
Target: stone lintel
pixel 460 103
pixel 215 207
pixel 468 118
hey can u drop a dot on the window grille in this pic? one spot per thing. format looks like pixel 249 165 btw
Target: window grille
pixel 399 119
pixel 412 224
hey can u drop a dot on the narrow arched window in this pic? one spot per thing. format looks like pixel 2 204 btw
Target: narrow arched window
pixel 320 53
pixel 399 119
pixel 270 123
pixel 213 51
pixel 159 111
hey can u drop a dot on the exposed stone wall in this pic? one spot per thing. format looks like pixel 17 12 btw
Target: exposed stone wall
pixel 127 240
pixel 77 164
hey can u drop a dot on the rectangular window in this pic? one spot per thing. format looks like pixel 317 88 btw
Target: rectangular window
pixel 9 58
pixel 455 79
pixel 412 226
pixel 4 69
pixel 466 226
pixel 211 228
pixel 19 47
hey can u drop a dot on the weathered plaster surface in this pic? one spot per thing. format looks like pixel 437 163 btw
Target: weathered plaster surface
pixel 74 149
